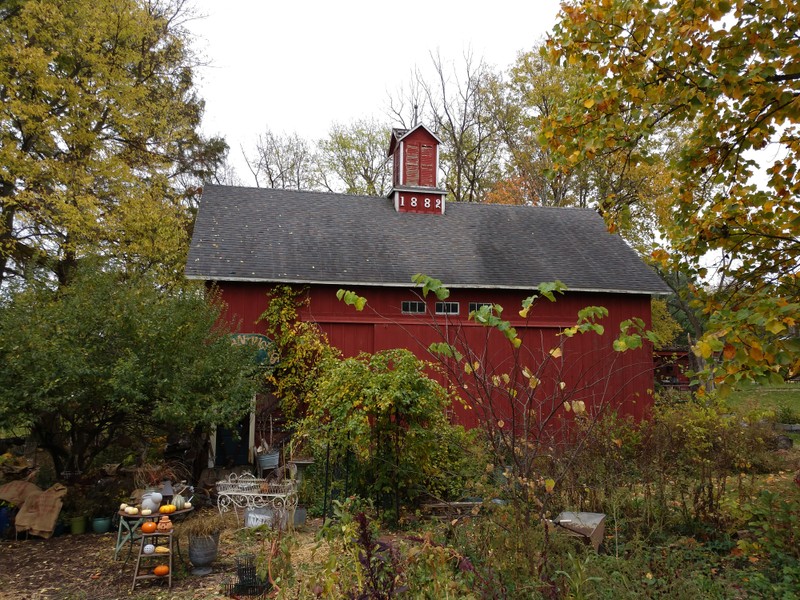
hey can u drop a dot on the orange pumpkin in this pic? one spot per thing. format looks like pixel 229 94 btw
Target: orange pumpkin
pixel 161 570
pixel 148 527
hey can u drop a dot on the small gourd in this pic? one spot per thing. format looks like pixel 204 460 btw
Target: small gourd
pixel 161 570
pixel 149 548
pixel 179 501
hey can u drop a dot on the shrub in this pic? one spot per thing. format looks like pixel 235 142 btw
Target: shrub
pixel 386 420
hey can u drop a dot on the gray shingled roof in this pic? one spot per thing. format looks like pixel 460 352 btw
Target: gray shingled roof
pixel 266 235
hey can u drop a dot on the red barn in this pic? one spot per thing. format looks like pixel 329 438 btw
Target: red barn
pixel 247 240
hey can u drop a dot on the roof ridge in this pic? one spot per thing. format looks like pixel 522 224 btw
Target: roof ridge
pixel 364 196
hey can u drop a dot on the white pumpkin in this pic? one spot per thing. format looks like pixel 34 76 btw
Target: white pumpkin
pixel 146 511
pixel 123 506
pixel 149 549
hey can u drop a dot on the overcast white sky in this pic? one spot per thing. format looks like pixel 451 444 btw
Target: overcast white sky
pixel 301 65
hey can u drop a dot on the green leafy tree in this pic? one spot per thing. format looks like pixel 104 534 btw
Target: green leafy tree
pixel 665 326
pixel 302 351
pixel 534 91
pixel 108 358
pixel 727 72
pixel 353 160
pixel 386 413
pixel 98 131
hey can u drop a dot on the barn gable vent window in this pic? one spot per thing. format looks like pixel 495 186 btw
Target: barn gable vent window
pixel 447 308
pixel 473 306
pixel 412 307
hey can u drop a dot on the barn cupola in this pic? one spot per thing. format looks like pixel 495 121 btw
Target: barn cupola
pixel 415 155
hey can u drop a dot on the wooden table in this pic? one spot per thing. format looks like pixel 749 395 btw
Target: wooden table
pixel 128 530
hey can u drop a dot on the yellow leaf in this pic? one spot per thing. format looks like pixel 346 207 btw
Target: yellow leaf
pixel 555 352
pixel 533 382
pixel 775 327
pixel 549 485
pixel 703 348
pixel 501 423
pixel 618 442
pixel 589 102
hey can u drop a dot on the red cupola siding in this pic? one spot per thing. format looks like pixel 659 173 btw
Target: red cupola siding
pixel 415 156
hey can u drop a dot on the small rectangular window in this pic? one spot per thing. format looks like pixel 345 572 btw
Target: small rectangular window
pixel 447 308
pixel 412 307
pixel 473 306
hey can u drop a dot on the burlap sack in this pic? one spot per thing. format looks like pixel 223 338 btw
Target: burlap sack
pixel 39 513
pixel 16 492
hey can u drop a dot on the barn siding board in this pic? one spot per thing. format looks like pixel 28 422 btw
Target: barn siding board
pixel 412 163
pixel 427 165
pixel 618 379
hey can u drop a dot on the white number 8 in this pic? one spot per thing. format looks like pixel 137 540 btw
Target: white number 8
pixel 413 200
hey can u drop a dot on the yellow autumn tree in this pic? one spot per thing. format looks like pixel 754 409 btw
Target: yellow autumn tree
pixel 98 120
pixel 727 71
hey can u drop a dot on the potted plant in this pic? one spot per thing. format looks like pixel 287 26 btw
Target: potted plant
pixel 98 508
pixel 267 455
pixel 74 510
pixel 202 531
pixel 152 476
pixel 299 456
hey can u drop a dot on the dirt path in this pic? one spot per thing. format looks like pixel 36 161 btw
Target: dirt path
pixel 83 567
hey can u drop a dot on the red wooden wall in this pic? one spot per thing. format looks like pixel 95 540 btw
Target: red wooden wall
pixel 589 368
